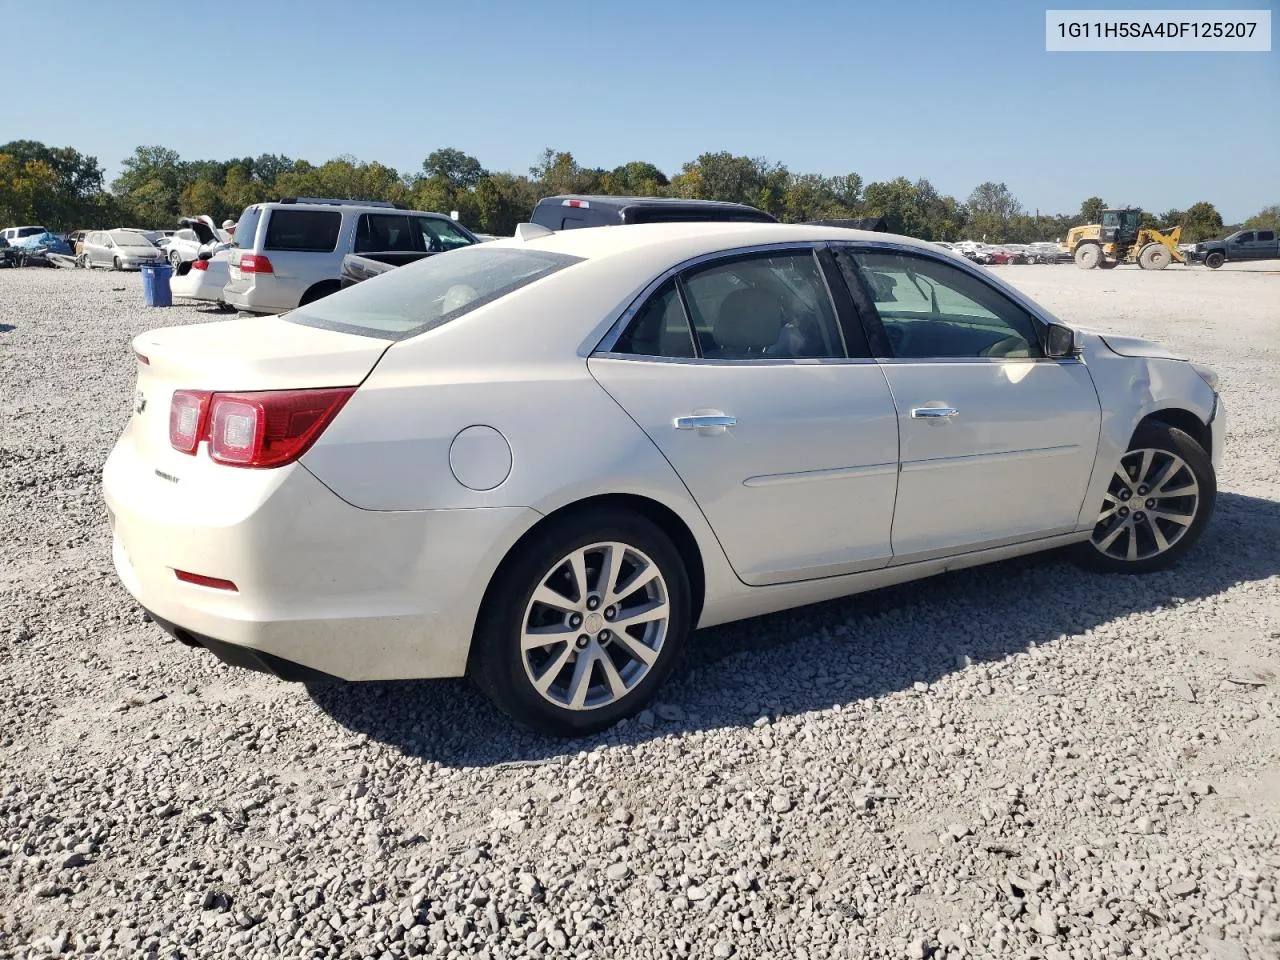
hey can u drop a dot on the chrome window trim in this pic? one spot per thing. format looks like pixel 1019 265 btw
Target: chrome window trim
pixel 1033 310
pixel 611 336
pixel 717 362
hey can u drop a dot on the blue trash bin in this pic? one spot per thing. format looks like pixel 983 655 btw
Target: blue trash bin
pixel 155 284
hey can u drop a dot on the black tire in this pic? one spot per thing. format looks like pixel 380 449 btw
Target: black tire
pixel 1087 256
pixel 319 291
pixel 115 263
pixel 1161 438
pixel 1214 259
pixel 497 664
pixel 175 260
pixel 1105 264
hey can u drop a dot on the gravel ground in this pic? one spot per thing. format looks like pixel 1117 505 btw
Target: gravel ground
pixel 1018 761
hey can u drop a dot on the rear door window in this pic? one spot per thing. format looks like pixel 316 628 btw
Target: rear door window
pixel 307 231
pixel 1266 236
pixel 381 232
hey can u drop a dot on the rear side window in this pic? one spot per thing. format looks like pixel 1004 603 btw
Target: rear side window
pixel 1266 235
pixel 659 329
pixel 247 228
pixel 383 232
pixel 309 231
pixel 419 297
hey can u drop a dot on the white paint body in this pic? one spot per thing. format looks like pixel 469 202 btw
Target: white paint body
pixel 203 284
pixel 369 558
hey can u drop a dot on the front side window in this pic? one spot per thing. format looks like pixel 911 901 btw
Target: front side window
pixel 413 299
pixel 309 231
pixel 439 236
pixel 1245 238
pixel 767 307
pixel 383 232
pixel 930 309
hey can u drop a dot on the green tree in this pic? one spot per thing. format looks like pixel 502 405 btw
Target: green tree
pixel 503 201
pixel 26 188
pixel 460 170
pixel 78 182
pixel 1091 210
pixel 1268 218
pixel 990 207
pixel 1201 222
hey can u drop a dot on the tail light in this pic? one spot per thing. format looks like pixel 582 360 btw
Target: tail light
pixel 262 429
pixel 200 265
pixel 188 418
pixel 255 263
pixel 201 580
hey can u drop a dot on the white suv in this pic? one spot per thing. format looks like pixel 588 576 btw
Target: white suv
pixel 289 253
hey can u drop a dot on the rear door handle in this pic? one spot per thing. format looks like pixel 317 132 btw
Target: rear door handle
pixel 931 413
pixel 704 421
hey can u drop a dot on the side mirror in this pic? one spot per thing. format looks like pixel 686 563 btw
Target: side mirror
pixel 1060 342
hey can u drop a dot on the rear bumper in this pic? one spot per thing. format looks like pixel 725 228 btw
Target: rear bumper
pixel 245 657
pixel 262 294
pixel 323 588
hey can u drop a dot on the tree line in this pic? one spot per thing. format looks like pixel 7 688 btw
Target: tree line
pixel 64 189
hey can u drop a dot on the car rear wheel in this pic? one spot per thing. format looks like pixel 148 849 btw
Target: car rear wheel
pixel 583 624
pixel 1215 259
pixel 1088 255
pixel 1157 504
pixel 175 259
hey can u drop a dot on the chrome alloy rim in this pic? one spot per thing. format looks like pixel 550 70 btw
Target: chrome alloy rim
pixel 595 626
pixel 1150 505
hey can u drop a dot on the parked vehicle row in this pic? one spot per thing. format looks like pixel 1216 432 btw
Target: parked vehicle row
pixel 375 485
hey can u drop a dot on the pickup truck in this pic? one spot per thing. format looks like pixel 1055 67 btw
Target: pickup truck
pixel 1241 245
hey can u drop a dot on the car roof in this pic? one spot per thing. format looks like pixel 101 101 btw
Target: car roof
pixel 693 239
pixel 609 201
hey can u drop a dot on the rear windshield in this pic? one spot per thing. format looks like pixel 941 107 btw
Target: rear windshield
pixel 247 228
pixel 409 300
pixel 311 231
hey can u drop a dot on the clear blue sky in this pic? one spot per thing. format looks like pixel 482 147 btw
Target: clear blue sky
pixel 957 92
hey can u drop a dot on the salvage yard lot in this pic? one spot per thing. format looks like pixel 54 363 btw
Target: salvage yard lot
pixel 1025 759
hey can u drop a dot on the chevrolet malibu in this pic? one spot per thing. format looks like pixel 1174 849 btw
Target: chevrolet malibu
pixel 544 461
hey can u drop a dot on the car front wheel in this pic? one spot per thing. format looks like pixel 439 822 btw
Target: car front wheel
pixel 1157 504
pixel 583 624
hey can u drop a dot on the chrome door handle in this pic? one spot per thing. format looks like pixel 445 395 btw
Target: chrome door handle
pixel 930 413
pixel 702 422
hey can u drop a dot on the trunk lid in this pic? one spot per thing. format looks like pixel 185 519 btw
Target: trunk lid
pixel 247 354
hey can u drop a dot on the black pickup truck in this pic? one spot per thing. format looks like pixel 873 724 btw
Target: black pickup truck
pixel 1241 245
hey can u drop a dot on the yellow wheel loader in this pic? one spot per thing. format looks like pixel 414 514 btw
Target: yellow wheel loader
pixel 1119 239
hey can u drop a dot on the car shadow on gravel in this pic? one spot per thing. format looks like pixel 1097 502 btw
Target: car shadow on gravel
pixel 839 652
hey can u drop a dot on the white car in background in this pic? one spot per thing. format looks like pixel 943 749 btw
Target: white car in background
pixel 544 461
pixel 202 278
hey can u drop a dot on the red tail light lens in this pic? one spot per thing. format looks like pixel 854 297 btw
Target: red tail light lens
pixel 200 580
pixel 272 428
pixel 263 429
pixel 255 263
pixel 188 419
pixel 200 265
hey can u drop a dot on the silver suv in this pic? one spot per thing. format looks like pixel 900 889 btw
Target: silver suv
pixel 289 253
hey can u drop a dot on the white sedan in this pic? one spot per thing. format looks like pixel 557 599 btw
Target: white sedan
pixel 543 461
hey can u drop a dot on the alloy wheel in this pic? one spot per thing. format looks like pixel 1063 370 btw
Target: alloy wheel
pixel 595 626
pixel 1150 505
